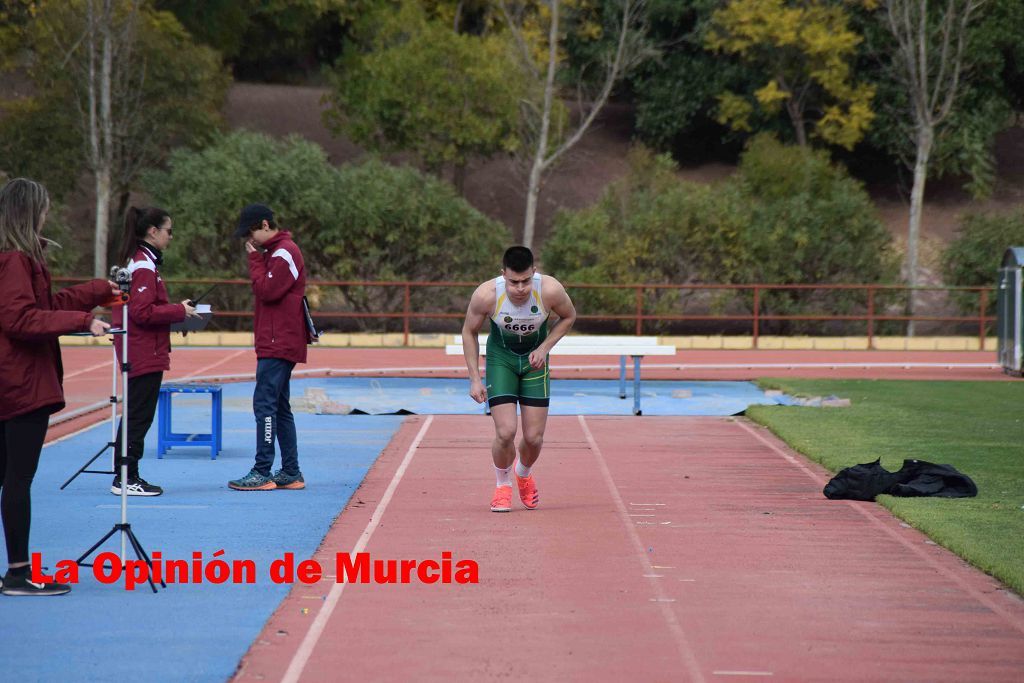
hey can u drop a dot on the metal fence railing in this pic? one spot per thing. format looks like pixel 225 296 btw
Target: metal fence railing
pixel 746 308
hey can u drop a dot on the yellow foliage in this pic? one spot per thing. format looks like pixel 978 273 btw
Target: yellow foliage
pixel 734 111
pixel 800 45
pixel 771 96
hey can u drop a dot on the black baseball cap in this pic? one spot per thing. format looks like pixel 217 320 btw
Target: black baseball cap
pixel 250 216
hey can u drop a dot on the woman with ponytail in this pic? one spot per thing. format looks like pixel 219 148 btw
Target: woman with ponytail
pixel 147 233
pixel 31 319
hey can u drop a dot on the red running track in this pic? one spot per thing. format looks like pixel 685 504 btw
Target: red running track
pixel 683 549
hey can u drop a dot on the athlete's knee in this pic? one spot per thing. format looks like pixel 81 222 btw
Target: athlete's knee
pixel 533 440
pixel 505 436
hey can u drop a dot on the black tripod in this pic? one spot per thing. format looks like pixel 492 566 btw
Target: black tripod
pixel 123 278
pixel 112 444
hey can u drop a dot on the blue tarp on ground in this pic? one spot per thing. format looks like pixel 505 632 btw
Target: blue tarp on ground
pixel 388 395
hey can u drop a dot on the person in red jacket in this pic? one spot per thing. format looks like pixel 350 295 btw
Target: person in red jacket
pixel 147 233
pixel 278 276
pixel 31 319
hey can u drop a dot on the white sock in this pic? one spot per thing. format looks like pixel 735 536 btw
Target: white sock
pixel 504 475
pixel 522 471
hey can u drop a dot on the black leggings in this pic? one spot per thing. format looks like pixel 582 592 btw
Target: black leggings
pixel 21 442
pixel 143 392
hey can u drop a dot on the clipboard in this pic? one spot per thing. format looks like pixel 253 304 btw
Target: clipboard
pixel 312 336
pixel 194 324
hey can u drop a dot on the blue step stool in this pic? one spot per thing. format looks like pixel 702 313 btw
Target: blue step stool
pixel 167 439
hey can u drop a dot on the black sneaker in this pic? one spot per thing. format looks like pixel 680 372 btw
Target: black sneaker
pixel 23 585
pixel 137 486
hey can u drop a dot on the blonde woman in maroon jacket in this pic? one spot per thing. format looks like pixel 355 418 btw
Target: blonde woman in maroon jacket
pixel 31 319
pixel 147 233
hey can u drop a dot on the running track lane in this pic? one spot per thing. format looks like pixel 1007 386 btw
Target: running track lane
pixel 684 549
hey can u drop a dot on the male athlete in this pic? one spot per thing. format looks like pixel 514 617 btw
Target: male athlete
pixel 518 303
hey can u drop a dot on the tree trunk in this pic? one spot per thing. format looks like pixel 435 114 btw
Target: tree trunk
pixel 539 158
pixel 797 118
pixel 459 178
pixel 925 138
pixel 532 194
pixel 103 145
pixel 102 187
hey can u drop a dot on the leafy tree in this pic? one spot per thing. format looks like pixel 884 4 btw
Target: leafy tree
pixel 15 15
pixel 614 36
pixel 302 33
pixel 118 85
pixel 39 139
pixel 805 53
pixel 930 63
pixel 989 94
pixel 361 222
pixel 421 87
pixel 973 258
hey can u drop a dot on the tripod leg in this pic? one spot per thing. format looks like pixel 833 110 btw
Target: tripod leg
pixel 100 542
pixel 140 553
pixel 83 467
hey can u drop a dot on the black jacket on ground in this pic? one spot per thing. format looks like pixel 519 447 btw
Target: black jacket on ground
pixel 915 478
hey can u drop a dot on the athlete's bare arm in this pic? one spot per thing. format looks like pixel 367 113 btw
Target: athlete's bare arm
pixel 481 305
pixel 557 301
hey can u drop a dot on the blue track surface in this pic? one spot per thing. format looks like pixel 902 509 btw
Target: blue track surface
pixel 187 632
pixel 199 632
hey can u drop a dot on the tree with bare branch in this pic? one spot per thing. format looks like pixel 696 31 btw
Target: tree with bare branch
pixel 115 85
pixel 930 63
pixel 537 31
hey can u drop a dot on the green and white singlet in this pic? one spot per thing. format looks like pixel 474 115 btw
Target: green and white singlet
pixel 515 332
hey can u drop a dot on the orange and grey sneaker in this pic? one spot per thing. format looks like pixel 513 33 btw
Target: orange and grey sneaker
pixel 502 501
pixel 528 491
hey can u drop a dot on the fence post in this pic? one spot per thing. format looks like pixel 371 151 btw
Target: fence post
pixel 639 310
pixel 981 319
pixel 871 318
pixel 406 312
pixel 757 313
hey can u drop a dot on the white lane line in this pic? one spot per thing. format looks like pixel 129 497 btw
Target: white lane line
pixel 742 673
pixel 953 576
pixel 682 643
pixel 203 369
pixel 76 373
pixel 316 630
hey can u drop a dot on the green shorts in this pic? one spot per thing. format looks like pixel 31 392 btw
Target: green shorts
pixel 510 379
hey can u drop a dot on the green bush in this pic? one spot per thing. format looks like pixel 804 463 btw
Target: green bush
pixel 647 228
pixel 972 259
pixel 789 216
pixel 810 223
pixel 369 221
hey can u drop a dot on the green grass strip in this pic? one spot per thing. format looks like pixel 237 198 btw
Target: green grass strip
pixel 978 427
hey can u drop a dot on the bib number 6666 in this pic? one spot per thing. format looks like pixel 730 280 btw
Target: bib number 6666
pixel 524 327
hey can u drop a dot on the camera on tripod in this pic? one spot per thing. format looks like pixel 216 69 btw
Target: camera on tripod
pixel 122 277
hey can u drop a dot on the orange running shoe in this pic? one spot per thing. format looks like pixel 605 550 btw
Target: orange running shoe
pixel 528 491
pixel 502 501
